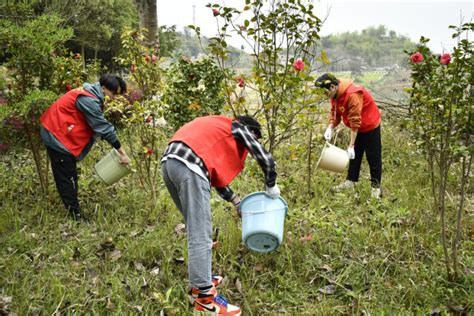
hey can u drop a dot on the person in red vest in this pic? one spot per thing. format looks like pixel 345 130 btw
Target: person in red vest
pixel 210 152
pixel 358 110
pixel 69 128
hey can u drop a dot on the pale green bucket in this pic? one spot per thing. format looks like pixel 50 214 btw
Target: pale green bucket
pixel 109 169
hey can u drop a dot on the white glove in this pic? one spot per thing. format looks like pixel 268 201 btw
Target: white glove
pixel 273 191
pixel 350 152
pixel 328 133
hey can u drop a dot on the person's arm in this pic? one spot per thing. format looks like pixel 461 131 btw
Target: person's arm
pixel 354 116
pixel 264 158
pixel 90 107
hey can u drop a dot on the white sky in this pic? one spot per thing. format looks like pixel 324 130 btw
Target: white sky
pixel 429 18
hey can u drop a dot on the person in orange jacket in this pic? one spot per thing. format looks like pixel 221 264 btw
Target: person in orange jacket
pixel 356 107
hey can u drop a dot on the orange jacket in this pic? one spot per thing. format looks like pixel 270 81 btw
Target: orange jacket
pixel 67 123
pixel 211 138
pixel 356 107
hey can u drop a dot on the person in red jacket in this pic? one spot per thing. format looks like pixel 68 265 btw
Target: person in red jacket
pixel 69 128
pixel 356 107
pixel 210 152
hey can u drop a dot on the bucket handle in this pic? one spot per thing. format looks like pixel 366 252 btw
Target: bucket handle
pixel 266 211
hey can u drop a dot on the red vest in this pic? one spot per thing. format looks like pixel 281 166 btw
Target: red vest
pixel 370 115
pixel 211 138
pixel 67 123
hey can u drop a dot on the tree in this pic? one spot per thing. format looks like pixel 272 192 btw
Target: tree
pixel 442 123
pixel 147 10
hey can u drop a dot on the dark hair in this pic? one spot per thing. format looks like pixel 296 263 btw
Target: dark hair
pixel 114 83
pixel 325 81
pixel 251 123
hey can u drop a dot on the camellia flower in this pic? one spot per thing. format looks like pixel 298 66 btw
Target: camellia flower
pixel 215 12
pixel 240 81
pixel 416 58
pixel 298 65
pixel 445 59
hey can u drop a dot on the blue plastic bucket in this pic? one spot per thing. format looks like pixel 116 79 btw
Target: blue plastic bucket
pixel 263 220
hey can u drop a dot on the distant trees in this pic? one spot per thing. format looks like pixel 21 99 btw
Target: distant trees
pixel 371 48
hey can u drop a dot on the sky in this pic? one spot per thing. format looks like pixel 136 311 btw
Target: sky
pixel 428 18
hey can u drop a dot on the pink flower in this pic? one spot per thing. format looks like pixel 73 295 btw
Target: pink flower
pixel 445 59
pixel 240 81
pixel 416 58
pixel 153 58
pixel 298 65
pixel 215 12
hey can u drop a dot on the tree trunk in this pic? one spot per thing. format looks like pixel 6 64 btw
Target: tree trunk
pixel 147 10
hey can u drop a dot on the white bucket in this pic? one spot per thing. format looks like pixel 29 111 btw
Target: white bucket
pixel 333 158
pixel 263 221
pixel 109 169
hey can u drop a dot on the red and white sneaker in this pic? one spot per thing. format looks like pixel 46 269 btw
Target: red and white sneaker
pixel 194 292
pixel 214 304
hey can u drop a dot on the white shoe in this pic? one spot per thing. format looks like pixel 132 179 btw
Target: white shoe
pixel 376 193
pixel 348 184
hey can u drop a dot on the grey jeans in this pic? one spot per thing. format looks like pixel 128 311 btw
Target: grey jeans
pixel 191 194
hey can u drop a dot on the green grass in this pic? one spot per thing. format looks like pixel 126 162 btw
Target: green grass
pixel 382 257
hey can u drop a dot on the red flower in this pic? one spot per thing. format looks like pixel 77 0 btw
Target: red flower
pixel 68 87
pixel 445 59
pixel 3 147
pixel 215 12
pixel 298 65
pixel 240 81
pixel 77 56
pixel 147 58
pixel 149 152
pixel 416 58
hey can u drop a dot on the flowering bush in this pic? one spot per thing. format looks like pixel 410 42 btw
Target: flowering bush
pixel 441 108
pixel 194 88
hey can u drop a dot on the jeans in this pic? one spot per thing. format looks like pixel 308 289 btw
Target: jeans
pixel 191 194
pixel 371 144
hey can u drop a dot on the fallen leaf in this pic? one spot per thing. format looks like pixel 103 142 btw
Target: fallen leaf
pixel 326 268
pixel 306 238
pixel 216 244
pixel 179 259
pixel 180 229
pixel 115 255
pixel 138 266
pixel 155 271
pixel 435 311
pixel 258 267
pixel 328 289
pixel 238 286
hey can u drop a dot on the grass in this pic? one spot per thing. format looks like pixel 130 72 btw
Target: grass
pixel 359 256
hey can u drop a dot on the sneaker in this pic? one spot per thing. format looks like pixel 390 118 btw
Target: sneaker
pixel 194 292
pixel 376 193
pixel 348 184
pixel 214 304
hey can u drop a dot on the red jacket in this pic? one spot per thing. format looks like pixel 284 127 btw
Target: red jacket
pixel 67 123
pixel 211 138
pixel 369 115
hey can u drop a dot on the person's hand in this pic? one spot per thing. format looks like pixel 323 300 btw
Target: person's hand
pixel 123 157
pixel 351 152
pixel 273 191
pixel 236 202
pixel 328 132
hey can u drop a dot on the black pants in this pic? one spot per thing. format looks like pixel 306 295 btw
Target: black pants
pixel 371 144
pixel 65 176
